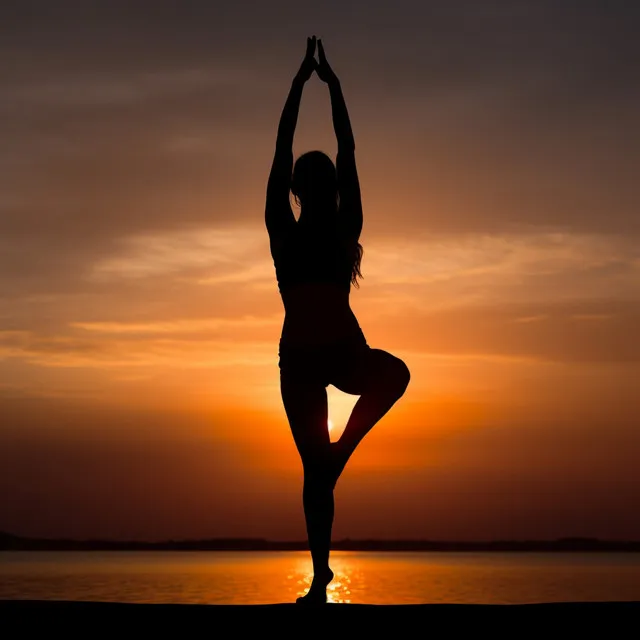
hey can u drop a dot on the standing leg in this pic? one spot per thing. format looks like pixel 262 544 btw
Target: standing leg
pixel 380 379
pixel 306 407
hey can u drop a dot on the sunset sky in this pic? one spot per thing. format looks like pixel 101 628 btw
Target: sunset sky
pixel 498 146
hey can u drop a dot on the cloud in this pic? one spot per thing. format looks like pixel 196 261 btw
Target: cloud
pixel 172 352
pixel 116 126
pixel 207 298
pixel 560 332
pixel 177 326
pixel 430 272
pixel 223 254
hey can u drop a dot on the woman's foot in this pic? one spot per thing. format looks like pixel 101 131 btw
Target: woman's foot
pixel 317 593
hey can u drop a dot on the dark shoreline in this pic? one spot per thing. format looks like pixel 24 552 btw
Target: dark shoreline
pixel 9 542
pixel 92 617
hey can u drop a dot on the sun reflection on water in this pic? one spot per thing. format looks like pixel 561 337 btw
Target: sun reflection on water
pixel 360 577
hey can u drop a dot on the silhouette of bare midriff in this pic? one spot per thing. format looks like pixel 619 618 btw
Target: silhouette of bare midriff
pixel 316 314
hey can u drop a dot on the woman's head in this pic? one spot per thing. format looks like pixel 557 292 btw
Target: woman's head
pixel 314 180
pixel 314 185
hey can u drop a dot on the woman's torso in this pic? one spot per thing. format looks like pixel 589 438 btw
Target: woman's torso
pixel 318 314
pixel 313 268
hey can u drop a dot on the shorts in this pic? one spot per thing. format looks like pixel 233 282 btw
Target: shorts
pixel 321 364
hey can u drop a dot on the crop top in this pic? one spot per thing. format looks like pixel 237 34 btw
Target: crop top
pixel 313 255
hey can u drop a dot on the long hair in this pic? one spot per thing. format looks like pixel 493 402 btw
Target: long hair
pixel 355 267
pixel 315 178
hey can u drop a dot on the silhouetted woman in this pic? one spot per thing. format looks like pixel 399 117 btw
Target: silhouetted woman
pixel 317 259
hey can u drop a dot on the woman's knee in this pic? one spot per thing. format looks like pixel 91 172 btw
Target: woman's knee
pixel 401 376
pixel 317 474
pixel 391 377
pixel 389 374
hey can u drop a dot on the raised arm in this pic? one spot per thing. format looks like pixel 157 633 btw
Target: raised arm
pixel 278 213
pixel 348 183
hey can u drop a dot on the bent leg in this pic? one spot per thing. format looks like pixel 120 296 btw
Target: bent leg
pixel 306 407
pixel 380 379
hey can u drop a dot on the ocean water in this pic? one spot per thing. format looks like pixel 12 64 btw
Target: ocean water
pixel 361 577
